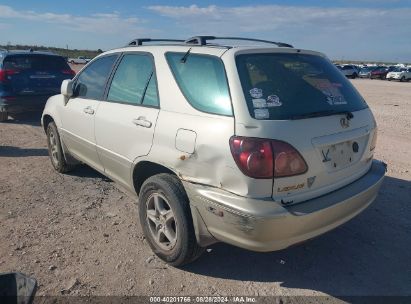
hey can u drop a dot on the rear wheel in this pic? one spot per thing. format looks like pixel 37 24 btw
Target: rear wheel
pixel 402 79
pixel 3 116
pixel 55 150
pixel 354 76
pixel 166 220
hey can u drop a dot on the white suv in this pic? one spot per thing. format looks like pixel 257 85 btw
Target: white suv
pixel 401 74
pixel 350 71
pixel 259 146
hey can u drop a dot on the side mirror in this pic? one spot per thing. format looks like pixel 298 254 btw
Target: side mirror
pixel 67 88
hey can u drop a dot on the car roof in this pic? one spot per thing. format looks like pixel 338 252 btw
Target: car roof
pixel 210 49
pixel 27 52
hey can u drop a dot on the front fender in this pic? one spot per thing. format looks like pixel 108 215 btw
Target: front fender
pixel 53 108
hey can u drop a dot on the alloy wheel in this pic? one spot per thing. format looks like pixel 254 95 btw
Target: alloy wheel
pixel 161 221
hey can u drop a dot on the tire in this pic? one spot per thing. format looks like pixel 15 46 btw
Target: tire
pixel 166 220
pixel 55 150
pixel 354 76
pixel 402 79
pixel 4 116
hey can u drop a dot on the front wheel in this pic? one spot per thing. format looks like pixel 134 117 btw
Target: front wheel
pixel 55 150
pixel 402 79
pixel 166 220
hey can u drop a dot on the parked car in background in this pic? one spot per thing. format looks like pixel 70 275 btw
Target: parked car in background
pixel 28 79
pixel 78 60
pixel 350 71
pixel 401 74
pixel 281 155
pixel 381 72
pixel 365 72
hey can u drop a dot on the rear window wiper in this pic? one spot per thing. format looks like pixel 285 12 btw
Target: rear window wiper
pixel 347 114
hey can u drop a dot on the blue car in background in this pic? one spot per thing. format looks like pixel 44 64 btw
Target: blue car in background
pixel 28 79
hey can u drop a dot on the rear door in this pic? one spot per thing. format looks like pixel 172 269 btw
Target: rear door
pixel 125 121
pixel 303 100
pixel 78 115
pixel 36 74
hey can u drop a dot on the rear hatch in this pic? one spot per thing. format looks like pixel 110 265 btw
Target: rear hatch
pixel 306 102
pixel 35 74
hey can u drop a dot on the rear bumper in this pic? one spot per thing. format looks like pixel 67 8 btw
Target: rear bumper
pixel 266 225
pixel 23 103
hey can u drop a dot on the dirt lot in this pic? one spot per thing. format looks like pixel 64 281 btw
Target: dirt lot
pixel 79 235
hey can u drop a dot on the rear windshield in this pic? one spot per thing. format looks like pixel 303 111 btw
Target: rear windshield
pixel 285 86
pixel 35 62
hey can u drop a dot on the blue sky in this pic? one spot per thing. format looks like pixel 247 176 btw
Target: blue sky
pixel 343 29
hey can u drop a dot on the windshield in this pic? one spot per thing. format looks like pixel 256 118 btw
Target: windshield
pixel 347 67
pixel 399 70
pixel 282 86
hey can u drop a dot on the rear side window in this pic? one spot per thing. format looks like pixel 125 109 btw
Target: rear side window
pixel 91 82
pixel 281 86
pixel 203 82
pixel 35 62
pixel 133 80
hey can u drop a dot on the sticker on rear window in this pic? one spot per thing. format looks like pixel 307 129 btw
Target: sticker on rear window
pixel 330 90
pixel 256 93
pixel 335 100
pixel 259 103
pixel 273 101
pixel 261 113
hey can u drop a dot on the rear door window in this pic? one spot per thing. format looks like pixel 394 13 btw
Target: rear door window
pixel 134 81
pixel 91 82
pixel 282 86
pixel 203 82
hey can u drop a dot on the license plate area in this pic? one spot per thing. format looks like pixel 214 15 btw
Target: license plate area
pixel 339 156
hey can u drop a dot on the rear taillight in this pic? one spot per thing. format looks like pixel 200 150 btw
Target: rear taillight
pixel 287 160
pixel 265 158
pixel 69 72
pixel 7 72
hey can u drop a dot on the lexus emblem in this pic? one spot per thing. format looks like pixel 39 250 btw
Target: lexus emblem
pixel 345 123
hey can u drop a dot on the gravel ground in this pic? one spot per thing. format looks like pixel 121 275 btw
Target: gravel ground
pixel 78 235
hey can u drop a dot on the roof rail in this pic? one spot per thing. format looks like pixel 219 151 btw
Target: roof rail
pixel 202 40
pixel 139 41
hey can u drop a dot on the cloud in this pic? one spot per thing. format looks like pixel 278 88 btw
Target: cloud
pixel 348 32
pixel 112 23
pixel 271 17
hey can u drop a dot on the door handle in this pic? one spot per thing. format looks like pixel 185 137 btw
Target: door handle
pixel 143 122
pixel 88 110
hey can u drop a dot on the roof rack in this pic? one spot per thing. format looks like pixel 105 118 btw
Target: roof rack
pixel 202 40
pixel 140 41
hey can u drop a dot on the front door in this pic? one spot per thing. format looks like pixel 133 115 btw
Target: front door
pixel 79 113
